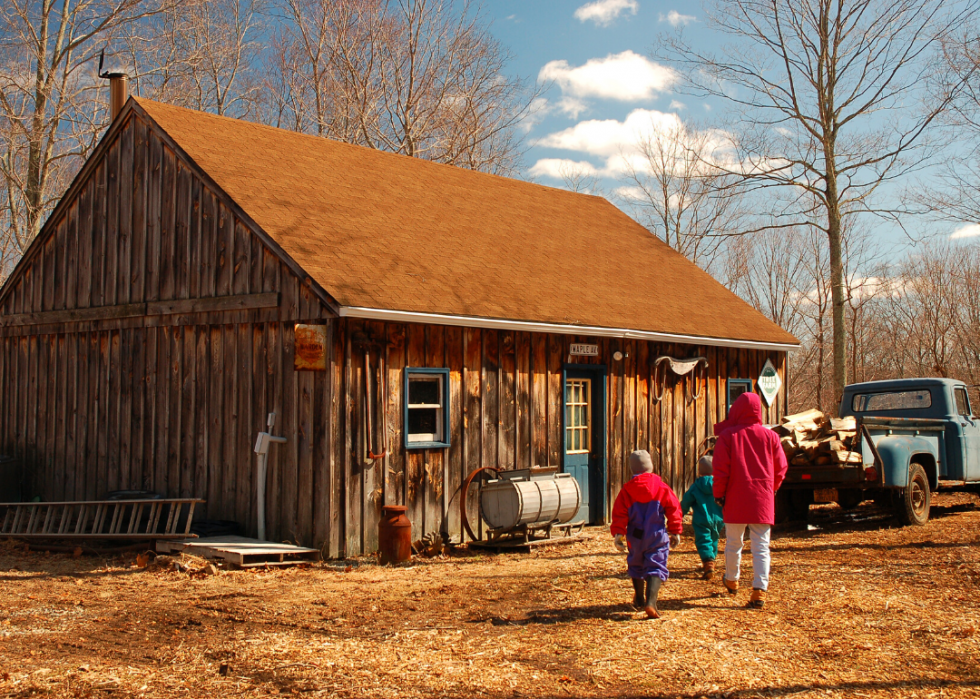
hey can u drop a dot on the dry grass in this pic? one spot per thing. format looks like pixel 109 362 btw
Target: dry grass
pixel 857 608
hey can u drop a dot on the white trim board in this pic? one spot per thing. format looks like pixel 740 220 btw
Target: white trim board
pixel 528 326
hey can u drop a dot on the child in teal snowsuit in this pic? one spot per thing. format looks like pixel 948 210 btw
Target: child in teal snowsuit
pixel 707 518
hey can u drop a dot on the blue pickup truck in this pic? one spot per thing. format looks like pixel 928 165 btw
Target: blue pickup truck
pixel 916 436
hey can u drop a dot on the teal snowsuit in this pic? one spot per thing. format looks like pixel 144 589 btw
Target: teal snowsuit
pixel 707 518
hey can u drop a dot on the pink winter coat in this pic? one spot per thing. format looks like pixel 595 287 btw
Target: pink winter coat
pixel 749 464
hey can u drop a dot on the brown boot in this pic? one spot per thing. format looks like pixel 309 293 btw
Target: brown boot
pixel 708 570
pixel 758 598
pixel 730 585
pixel 653 592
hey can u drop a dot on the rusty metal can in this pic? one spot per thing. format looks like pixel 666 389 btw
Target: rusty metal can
pixel 394 535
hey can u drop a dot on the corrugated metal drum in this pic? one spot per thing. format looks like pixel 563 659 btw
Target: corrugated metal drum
pixel 525 498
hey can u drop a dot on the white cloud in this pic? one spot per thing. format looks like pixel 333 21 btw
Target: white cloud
pixel 559 168
pixel 675 18
pixel 969 230
pixel 677 106
pixel 603 12
pixel 626 76
pixel 616 142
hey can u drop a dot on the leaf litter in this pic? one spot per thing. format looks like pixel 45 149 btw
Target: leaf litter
pixel 857 607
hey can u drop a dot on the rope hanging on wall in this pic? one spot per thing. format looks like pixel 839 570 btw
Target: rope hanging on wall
pixel 697 366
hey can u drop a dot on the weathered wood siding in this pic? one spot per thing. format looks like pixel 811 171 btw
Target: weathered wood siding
pixel 505 411
pixel 168 402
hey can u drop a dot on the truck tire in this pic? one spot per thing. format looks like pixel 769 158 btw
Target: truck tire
pixel 912 504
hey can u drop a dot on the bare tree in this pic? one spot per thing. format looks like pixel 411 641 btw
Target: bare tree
pixel 683 190
pixel 49 112
pixel 419 77
pixel 830 96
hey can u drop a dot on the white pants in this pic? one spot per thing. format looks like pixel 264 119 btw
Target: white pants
pixel 759 541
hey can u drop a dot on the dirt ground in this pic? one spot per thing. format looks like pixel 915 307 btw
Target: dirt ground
pixel 858 608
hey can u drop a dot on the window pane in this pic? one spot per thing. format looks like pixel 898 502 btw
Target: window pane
pixel 424 390
pixel 423 421
pixel 894 400
pixel 962 404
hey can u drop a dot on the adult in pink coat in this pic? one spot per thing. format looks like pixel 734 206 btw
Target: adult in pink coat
pixel 749 466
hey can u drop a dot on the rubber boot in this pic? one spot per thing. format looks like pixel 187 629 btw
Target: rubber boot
pixel 638 598
pixel 653 591
pixel 730 585
pixel 708 570
pixel 758 598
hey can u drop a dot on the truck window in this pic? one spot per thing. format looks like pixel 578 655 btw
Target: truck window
pixel 962 402
pixel 892 400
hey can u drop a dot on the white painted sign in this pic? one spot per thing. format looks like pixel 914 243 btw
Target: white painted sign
pixel 584 350
pixel 769 382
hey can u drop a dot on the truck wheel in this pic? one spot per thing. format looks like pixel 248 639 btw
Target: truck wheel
pixel 912 503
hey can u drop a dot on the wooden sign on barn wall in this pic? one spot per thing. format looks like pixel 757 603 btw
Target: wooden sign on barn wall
pixel 310 347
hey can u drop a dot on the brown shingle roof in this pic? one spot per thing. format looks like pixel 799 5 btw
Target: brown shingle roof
pixel 386 231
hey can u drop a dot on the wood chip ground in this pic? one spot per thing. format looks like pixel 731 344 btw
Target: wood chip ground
pixel 858 608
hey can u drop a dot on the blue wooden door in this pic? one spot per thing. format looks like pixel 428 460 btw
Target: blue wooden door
pixel 583 439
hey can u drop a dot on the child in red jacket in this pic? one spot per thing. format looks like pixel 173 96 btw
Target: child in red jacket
pixel 648 517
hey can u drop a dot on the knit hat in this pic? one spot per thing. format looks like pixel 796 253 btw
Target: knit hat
pixel 704 466
pixel 640 462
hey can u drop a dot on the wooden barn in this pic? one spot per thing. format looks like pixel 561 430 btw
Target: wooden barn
pixel 407 322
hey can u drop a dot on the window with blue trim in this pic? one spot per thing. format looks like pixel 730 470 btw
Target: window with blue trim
pixel 737 387
pixel 426 408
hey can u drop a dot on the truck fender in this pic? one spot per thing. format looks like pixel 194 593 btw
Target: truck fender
pixel 898 451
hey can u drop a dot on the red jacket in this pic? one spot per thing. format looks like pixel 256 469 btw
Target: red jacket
pixel 749 464
pixel 641 489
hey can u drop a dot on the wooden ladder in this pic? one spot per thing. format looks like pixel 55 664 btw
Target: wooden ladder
pixel 99 519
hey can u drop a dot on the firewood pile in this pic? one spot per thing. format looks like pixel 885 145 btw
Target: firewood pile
pixel 812 438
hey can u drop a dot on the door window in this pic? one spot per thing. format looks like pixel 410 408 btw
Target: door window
pixel 962 402
pixel 578 416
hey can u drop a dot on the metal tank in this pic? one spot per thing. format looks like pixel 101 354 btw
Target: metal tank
pixel 528 499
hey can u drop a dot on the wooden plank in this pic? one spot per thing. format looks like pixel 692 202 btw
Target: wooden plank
pixel 110 226
pixel 154 238
pixel 88 419
pixel 124 398
pixel 415 459
pixel 642 369
pixel 60 408
pixel 225 245
pixel 68 273
pixel 522 353
pixel 396 461
pixel 209 243
pixel 629 399
pixel 352 474
pixel 44 430
pixel 240 269
pixel 138 419
pixel 175 404
pixel 374 476
pixel 491 397
pixel 168 240
pixel 195 253
pixel 202 338
pixel 73 343
pixel 124 216
pixel 305 437
pixel 434 459
pixel 49 271
pixel 322 474
pixel 188 398
pixel 216 421
pixel 138 216
pixel 507 438
pixel 275 337
pixel 472 417
pixel 615 460
pixel 248 425
pixel 229 432
pixel 103 482
pixel 86 251
pixel 182 241
pixel 111 391
pixel 556 442
pixel 539 399
pixel 337 428
pixel 453 465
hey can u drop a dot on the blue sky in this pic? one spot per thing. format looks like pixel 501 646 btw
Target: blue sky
pixel 596 55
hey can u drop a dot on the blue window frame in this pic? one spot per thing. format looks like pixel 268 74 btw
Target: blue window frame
pixel 426 418
pixel 737 387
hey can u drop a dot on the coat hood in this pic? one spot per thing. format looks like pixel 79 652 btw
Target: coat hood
pixel 746 410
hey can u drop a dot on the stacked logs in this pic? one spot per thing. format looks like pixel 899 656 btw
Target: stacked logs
pixel 812 438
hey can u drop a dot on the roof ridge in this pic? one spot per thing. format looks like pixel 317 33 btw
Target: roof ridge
pixel 143 101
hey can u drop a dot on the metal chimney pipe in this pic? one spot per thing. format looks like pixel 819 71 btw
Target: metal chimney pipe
pixel 118 93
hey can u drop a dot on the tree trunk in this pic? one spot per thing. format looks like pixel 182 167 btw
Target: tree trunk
pixel 837 296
